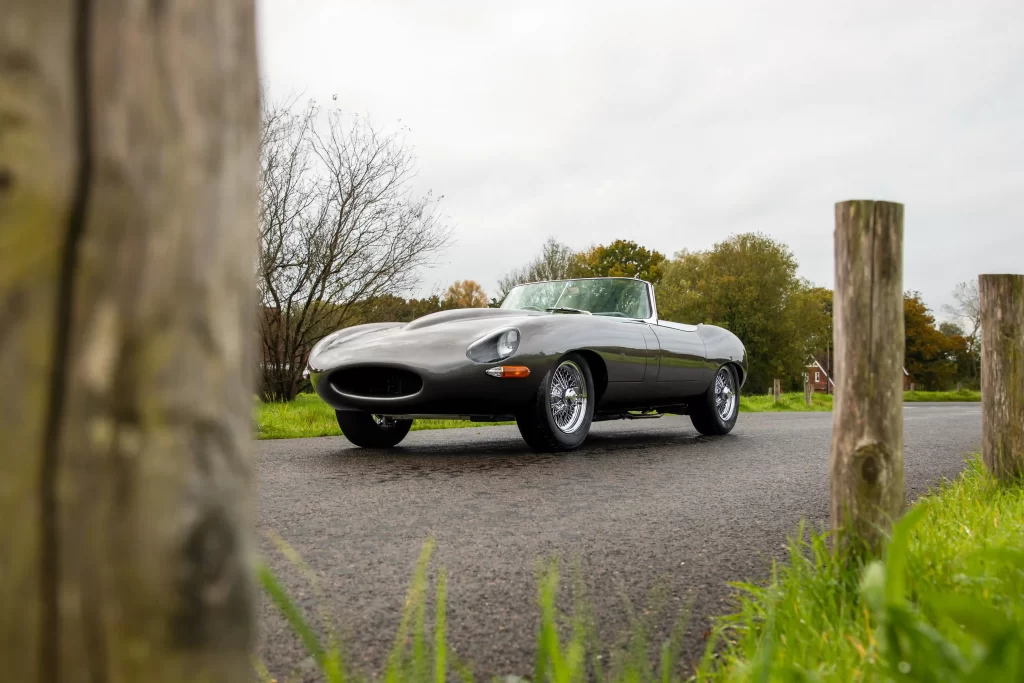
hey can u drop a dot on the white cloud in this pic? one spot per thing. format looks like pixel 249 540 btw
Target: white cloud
pixel 678 124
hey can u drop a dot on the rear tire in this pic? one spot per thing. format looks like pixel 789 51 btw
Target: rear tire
pixel 371 431
pixel 715 413
pixel 559 416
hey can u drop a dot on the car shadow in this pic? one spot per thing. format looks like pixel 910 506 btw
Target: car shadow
pixel 485 454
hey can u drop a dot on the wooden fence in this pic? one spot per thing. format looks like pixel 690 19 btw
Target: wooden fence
pixel 866 469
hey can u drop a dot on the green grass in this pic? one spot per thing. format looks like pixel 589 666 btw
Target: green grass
pixel 939 396
pixel 567 650
pixel 788 403
pixel 794 402
pixel 309 416
pixel 946 603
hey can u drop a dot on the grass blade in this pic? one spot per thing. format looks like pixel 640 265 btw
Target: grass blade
pixel 291 613
pixel 440 626
pixel 896 554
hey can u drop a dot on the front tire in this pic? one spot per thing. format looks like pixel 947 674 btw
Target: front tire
pixel 715 413
pixel 559 416
pixel 372 431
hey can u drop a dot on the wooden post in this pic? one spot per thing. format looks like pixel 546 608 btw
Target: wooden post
pixel 809 392
pixel 866 473
pixel 129 138
pixel 1002 374
pixel 777 389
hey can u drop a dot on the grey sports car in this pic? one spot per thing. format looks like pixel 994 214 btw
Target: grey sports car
pixel 556 356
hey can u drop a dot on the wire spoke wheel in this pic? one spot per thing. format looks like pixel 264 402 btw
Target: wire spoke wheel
pixel 385 422
pixel 568 397
pixel 725 394
pixel 369 430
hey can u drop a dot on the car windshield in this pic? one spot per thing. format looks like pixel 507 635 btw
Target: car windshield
pixel 623 298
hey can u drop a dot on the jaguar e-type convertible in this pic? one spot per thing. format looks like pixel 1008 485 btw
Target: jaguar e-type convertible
pixel 555 357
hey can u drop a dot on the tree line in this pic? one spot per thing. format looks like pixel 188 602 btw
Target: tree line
pixel 343 237
pixel 748 284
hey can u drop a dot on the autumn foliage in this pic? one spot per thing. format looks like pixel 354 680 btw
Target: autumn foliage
pixel 465 294
pixel 931 356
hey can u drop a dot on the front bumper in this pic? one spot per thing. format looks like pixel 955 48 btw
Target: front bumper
pixel 449 387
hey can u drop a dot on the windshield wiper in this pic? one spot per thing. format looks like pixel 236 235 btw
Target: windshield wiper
pixel 562 309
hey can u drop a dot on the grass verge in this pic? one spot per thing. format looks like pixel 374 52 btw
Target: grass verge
pixel 940 396
pixel 788 403
pixel 308 416
pixel 946 603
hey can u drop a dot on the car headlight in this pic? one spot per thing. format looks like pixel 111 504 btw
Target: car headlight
pixel 508 342
pixel 494 347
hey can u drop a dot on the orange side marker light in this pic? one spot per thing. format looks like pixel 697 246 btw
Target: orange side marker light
pixel 509 371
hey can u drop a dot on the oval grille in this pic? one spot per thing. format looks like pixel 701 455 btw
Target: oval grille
pixel 376 382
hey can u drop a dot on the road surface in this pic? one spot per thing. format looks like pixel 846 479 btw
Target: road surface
pixel 653 514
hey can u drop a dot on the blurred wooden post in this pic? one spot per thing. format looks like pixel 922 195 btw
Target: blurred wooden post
pixel 809 392
pixel 866 473
pixel 777 389
pixel 1002 374
pixel 129 138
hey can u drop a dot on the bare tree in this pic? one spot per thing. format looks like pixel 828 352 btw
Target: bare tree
pixel 966 308
pixel 555 262
pixel 339 225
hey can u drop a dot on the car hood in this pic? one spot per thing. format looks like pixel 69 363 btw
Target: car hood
pixel 468 315
pixel 455 329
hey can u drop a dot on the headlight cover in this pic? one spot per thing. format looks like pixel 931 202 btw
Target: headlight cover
pixel 508 342
pixel 495 346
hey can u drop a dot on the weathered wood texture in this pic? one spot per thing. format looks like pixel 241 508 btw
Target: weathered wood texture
pixel 866 472
pixel 777 389
pixel 1002 374
pixel 128 156
pixel 808 392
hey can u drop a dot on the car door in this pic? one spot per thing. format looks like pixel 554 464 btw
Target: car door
pixel 683 359
pixel 629 349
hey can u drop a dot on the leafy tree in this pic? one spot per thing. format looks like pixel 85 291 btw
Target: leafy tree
pixel 964 355
pixel 748 284
pixel 465 294
pixel 816 306
pixel 556 261
pixel 391 308
pixel 621 258
pixel 930 354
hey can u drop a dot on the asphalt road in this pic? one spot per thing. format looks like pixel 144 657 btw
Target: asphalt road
pixel 644 506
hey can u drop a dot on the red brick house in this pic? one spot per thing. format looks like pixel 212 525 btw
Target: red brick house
pixel 820 376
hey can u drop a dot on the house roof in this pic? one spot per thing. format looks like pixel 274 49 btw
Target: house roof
pixel 818 365
pixel 815 364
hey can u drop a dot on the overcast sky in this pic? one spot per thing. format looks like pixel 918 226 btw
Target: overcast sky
pixel 677 124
